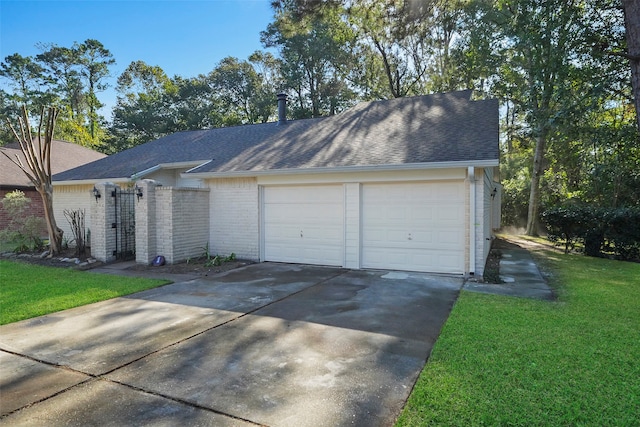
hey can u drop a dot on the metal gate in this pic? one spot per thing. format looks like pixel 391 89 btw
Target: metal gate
pixel 125 225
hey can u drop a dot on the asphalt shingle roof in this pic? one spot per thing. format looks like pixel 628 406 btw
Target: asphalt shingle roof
pixel 421 129
pixel 64 156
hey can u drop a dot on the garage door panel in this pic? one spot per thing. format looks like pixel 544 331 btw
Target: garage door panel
pixel 414 226
pixel 304 224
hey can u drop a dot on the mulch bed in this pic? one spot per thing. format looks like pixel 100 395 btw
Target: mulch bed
pixel 197 266
pixel 68 259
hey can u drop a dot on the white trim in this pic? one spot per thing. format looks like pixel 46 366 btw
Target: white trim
pixel 91 181
pixel 261 223
pixel 177 165
pixel 472 219
pixel 326 170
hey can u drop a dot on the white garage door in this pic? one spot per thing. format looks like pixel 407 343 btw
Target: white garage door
pixel 414 226
pixel 304 224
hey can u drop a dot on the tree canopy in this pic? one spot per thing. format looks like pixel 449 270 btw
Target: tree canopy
pixel 567 74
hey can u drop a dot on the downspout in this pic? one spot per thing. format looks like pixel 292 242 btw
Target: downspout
pixel 472 220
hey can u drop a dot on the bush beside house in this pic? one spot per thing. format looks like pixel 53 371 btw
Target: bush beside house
pixel 599 230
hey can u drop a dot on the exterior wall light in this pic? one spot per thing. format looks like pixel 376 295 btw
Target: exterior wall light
pixel 96 193
pixel 138 192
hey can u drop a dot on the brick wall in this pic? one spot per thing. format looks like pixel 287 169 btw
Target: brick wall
pixel 234 223
pixel 182 216
pixel 172 222
pixel 72 197
pixel 35 207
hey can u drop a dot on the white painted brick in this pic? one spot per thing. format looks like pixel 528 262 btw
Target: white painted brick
pixel 234 220
pixel 72 197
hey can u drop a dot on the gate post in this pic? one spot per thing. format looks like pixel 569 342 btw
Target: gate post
pixel 103 242
pixel 146 247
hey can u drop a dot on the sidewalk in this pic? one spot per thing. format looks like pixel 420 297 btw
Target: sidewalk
pixel 520 275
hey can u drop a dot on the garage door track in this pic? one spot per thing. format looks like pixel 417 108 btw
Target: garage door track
pixel 267 344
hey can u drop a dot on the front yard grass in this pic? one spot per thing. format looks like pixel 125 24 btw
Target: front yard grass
pixel 518 362
pixel 28 290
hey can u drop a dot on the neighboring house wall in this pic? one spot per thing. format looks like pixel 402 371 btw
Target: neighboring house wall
pixel 234 217
pixel 35 207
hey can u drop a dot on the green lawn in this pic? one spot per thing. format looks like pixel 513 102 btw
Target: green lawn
pixel 517 362
pixel 29 290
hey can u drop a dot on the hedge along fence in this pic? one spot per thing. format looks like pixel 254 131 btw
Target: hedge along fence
pixel 599 229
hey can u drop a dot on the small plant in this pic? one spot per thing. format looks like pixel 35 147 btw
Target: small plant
pixel 231 257
pixel 213 261
pixel 76 221
pixel 23 231
pixel 205 252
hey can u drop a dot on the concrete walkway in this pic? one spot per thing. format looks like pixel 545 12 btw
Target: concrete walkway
pixel 267 344
pixel 520 275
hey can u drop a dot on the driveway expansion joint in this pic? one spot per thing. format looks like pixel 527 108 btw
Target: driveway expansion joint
pixel 204 331
pixel 350 356
pixel 181 401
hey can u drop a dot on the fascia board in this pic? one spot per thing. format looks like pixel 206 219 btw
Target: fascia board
pixel 407 166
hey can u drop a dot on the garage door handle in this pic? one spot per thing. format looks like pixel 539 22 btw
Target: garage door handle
pixel 410 238
pixel 300 233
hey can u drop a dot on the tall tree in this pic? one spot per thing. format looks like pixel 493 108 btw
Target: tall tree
pixel 37 153
pixel 94 60
pixel 391 41
pixel 632 25
pixel 239 87
pixel 316 57
pixel 543 72
pixel 143 109
pixel 25 76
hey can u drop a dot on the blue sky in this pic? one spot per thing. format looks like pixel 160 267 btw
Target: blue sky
pixel 184 38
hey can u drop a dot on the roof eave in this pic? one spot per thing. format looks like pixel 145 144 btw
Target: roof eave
pixel 368 168
pixel 138 175
pixel 91 181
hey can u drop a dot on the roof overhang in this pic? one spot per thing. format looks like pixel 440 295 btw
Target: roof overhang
pixel 92 181
pixel 371 168
pixel 177 165
pixel 138 175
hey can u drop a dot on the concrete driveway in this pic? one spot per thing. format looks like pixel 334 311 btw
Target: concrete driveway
pixel 268 344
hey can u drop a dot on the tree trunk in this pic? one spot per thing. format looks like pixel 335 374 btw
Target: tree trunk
pixel 55 232
pixel 536 174
pixel 632 26
pixel 38 166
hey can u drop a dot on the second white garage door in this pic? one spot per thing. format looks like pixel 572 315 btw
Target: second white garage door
pixel 414 226
pixel 304 224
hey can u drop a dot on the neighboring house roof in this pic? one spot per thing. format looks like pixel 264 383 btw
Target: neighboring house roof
pixel 440 128
pixel 64 156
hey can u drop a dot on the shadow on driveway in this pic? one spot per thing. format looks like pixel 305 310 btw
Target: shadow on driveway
pixel 267 344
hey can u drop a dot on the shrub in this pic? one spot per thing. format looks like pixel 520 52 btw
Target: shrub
pixel 23 231
pixel 596 228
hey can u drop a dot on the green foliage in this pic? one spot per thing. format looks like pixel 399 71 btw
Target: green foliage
pixel 214 260
pixel 315 61
pixel 598 229
pixel 68 78
pixel 24 231
pixel 31 290
pixel 502 361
